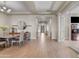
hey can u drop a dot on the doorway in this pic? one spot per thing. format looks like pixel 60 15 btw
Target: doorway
pixel 44 31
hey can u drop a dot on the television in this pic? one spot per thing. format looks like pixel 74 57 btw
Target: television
pixel 74 19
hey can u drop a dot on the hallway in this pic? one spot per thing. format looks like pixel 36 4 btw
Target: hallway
pixel 36 48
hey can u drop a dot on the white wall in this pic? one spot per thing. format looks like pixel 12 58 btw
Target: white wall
pixel 3 19
pixel 54 27
pixel 64 22
pixel 31 20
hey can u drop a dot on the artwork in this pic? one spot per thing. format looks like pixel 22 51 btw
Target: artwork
pixel 22 25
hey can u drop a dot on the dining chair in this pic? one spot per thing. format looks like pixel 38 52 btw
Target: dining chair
pixel 27 36
pixel 3 42
pixel 20 40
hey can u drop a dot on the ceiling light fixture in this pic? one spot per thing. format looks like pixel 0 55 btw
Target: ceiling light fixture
pixel 9 10
pixel 4 8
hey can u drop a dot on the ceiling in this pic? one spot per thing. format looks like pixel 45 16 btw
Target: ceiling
pixel 75 10
pixel 35 7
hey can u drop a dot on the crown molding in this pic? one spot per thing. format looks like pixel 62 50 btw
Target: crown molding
pixel 32 13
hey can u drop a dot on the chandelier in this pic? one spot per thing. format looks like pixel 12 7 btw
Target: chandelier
pixel 4 8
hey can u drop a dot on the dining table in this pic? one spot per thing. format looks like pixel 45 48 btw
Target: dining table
pixel 8 38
